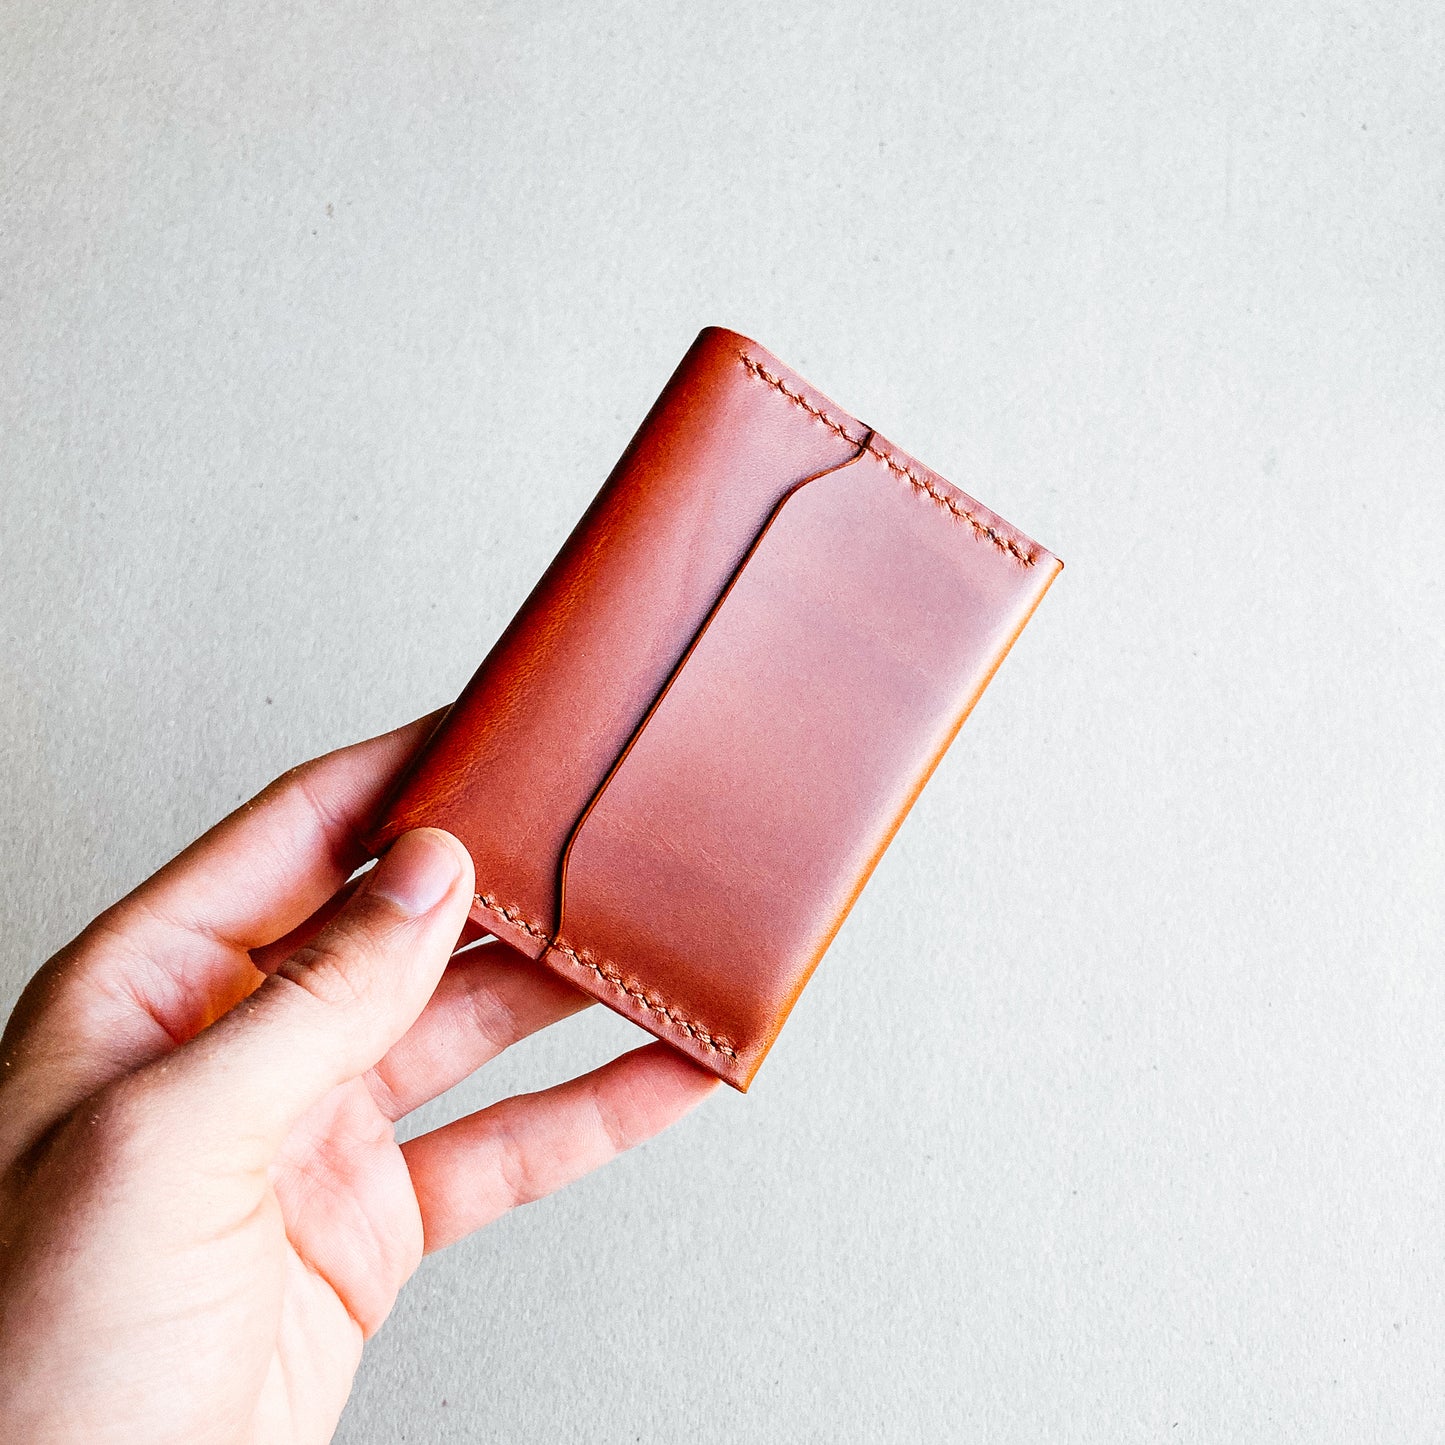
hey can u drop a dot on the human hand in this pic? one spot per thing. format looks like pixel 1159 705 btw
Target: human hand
pixel 203 1210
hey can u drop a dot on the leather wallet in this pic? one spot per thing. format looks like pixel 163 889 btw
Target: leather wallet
pixel 683 758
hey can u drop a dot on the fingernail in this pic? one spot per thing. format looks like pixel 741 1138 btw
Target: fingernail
pixel 418 870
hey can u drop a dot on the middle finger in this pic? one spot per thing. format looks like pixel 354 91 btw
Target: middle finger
pixel 488 999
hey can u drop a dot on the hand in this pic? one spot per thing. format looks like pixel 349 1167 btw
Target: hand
pixel 203 1210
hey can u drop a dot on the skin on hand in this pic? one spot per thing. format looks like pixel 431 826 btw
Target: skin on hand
pixel 204 1212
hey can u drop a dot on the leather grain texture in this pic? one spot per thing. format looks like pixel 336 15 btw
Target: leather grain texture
pixel 681 761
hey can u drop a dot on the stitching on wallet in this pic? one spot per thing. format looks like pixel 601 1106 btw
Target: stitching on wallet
pixel 610 975
pixel 980 527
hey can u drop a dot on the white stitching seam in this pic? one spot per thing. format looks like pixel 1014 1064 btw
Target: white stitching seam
pixel 610 975
pixel 980 527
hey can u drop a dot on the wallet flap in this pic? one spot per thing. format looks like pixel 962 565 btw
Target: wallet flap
pixel 524 748
pixel 725 849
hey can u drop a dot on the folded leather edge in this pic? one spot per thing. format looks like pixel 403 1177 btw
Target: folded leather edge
pixel 987 525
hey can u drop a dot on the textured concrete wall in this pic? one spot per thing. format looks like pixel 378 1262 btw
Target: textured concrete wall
pixel 1115 1112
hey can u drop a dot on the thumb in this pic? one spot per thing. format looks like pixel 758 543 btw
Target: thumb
pixel 332 1009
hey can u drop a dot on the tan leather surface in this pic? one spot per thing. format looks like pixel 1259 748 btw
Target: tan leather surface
pixel 836 609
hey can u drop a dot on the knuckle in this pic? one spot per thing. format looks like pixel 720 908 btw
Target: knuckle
pixel 492 1017
pixel 612 1119
pixel 520 1184
pixel 333 967
pixel 120 1125
pixel 303 787
pixel 323 969
pixel 293 781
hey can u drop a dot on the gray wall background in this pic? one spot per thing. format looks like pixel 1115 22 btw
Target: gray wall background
pixel 1116 1111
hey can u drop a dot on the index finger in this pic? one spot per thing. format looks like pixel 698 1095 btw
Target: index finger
pixel 268 866
pixel 174 955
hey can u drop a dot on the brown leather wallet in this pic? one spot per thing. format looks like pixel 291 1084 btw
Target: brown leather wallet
pixel 680 763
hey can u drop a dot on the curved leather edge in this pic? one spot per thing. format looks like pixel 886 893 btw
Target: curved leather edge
pixel 677 672
pixel 604 982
